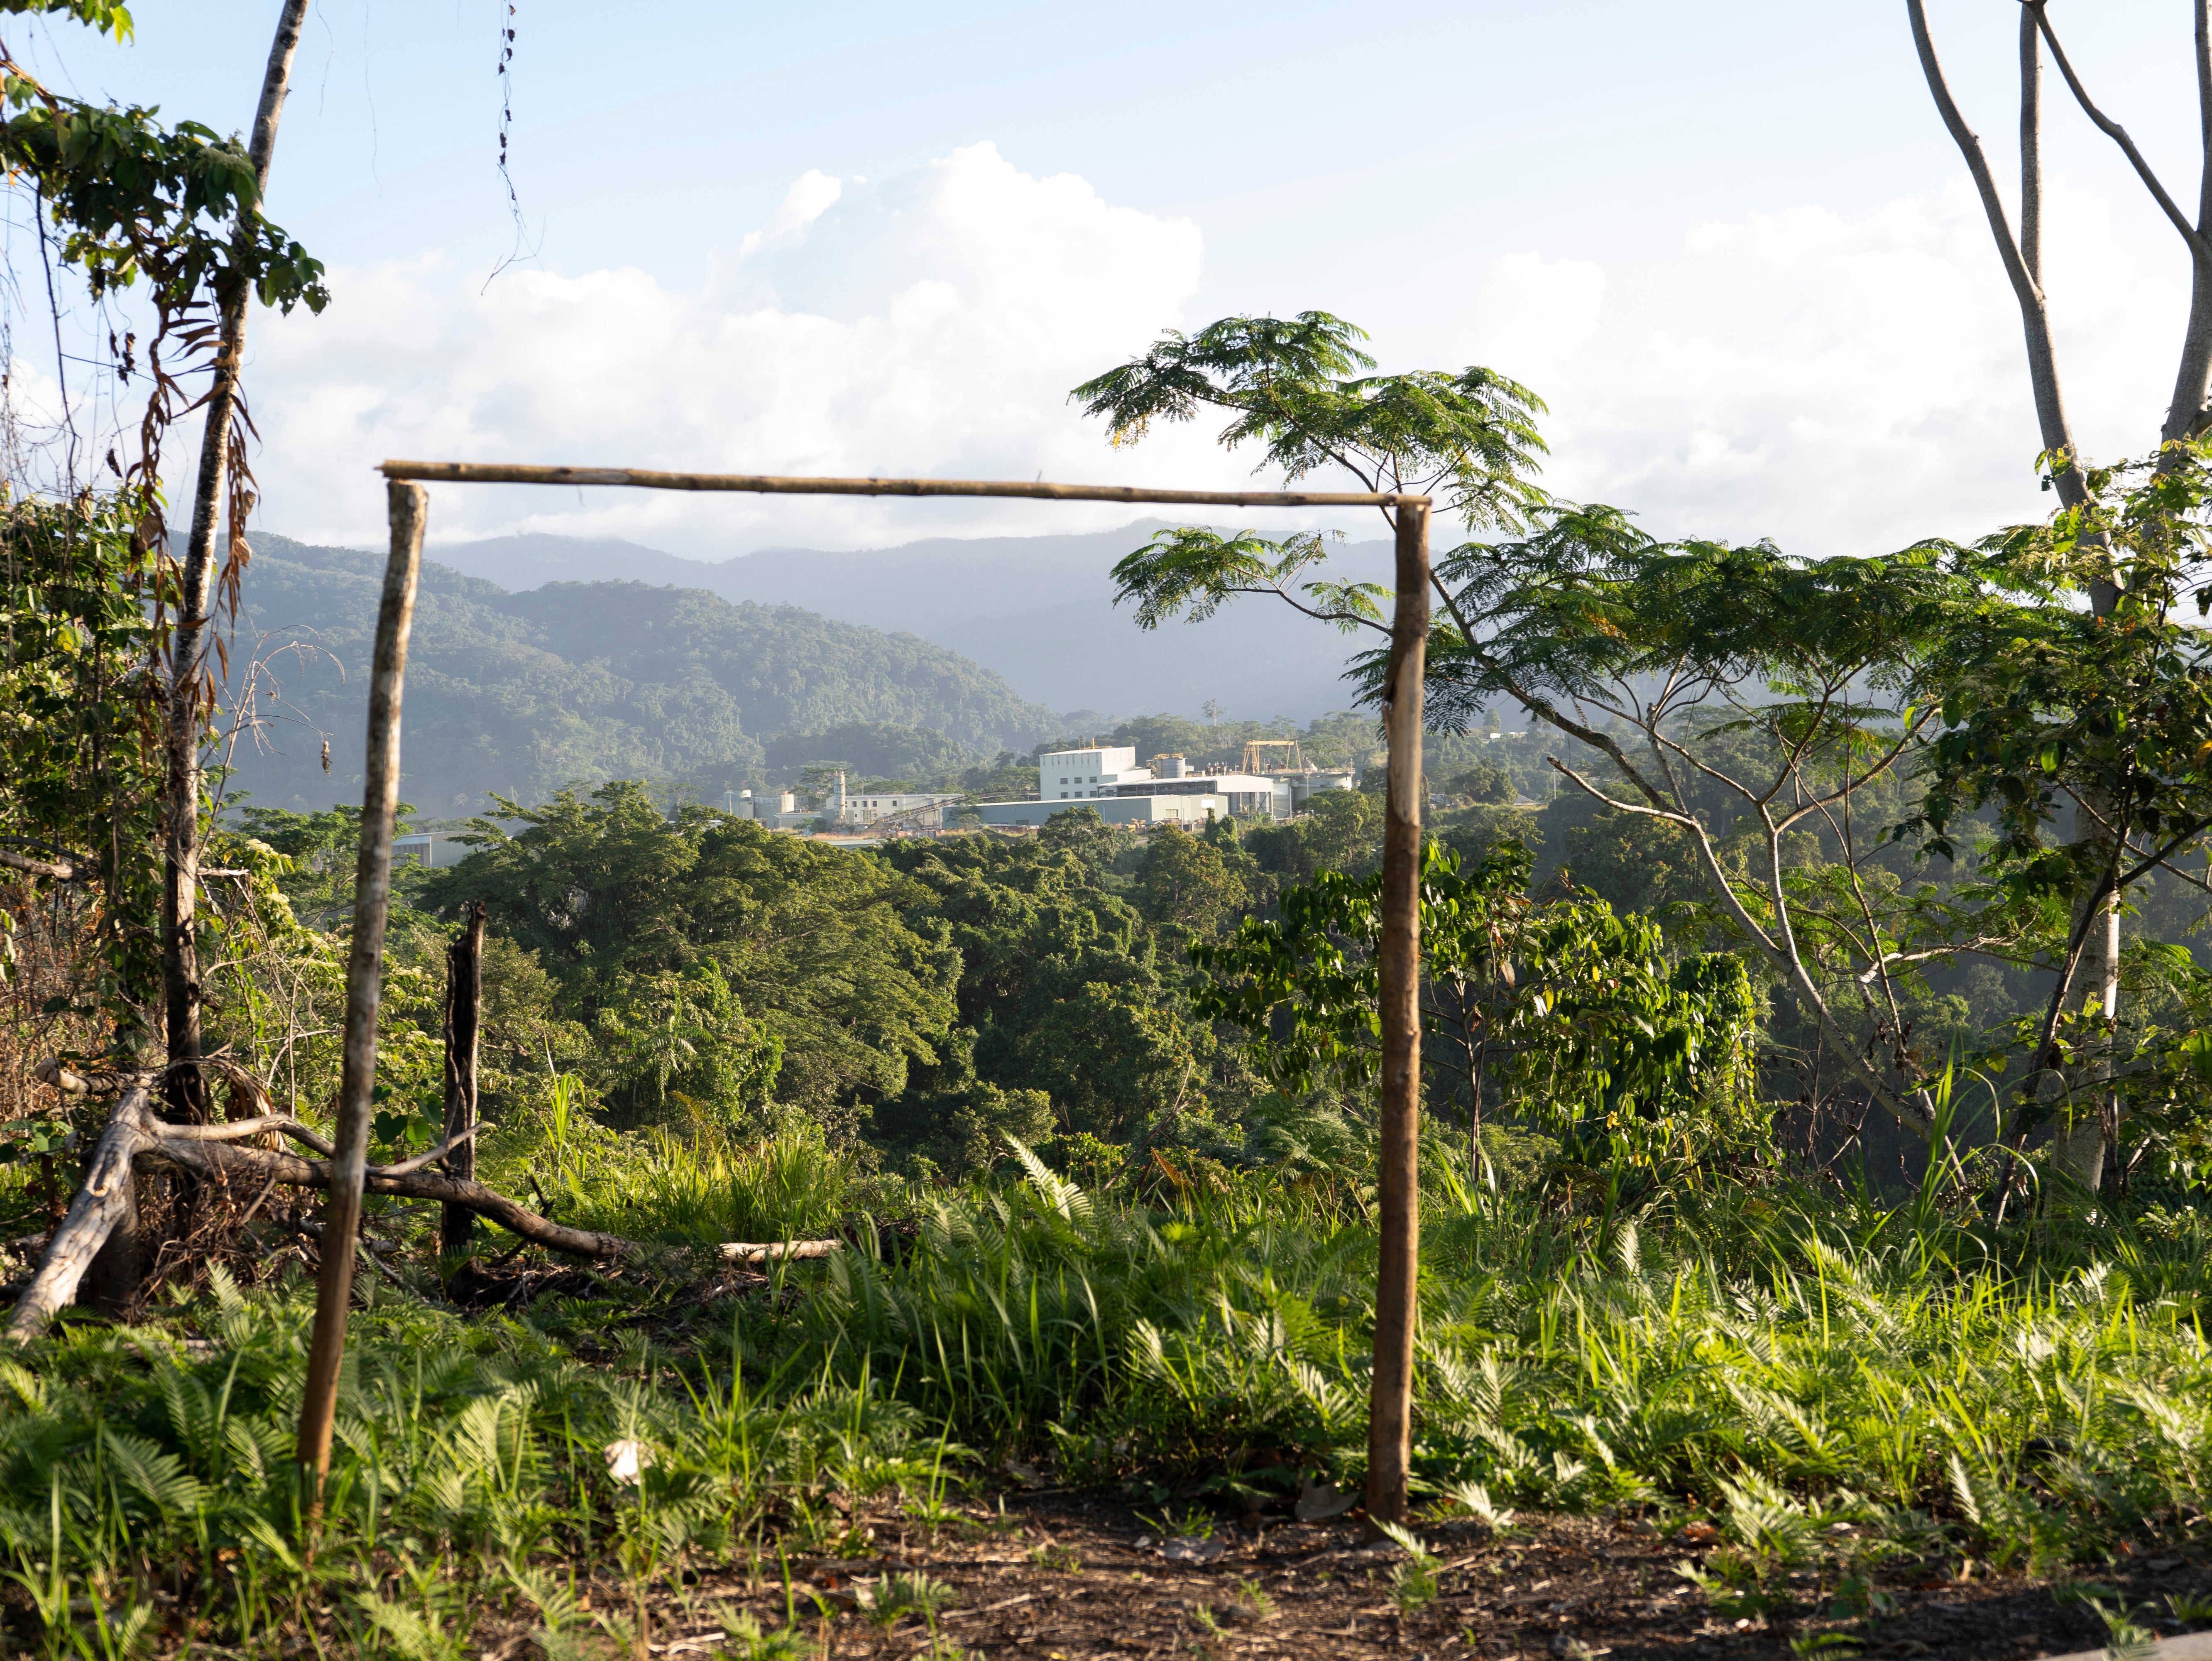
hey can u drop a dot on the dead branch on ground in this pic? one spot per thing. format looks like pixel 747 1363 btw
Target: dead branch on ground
pixel 137 1140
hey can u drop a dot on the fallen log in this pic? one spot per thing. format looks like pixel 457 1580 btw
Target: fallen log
pixel 53 1071
pixel 217 1161
pixel 237 1129
pixel 135 1138
pixel 38 867
pixel 744 1252
pixel 95 1210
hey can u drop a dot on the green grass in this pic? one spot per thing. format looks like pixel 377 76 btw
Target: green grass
pixel 472 1472
pixel 706 1189
pixel 1844 1355
pixel 1787 1361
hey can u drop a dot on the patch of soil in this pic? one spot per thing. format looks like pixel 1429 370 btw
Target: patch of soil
pixel 668 1308
pixel 1062 1576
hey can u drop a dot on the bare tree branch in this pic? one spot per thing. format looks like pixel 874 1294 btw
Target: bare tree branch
pixel 2112 130
pixel 1782 953
pixel 2035 312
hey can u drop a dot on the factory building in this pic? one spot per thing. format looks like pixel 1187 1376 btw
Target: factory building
pixel 912 810
pixel 429 848
pixel 846 809
pixel 1169 790
pixel 777 809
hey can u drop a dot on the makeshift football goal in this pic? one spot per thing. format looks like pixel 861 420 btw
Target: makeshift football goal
pixel 1390 1422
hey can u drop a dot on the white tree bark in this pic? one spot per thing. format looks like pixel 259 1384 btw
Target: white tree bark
pixel 2082 1148
pixel 97 1208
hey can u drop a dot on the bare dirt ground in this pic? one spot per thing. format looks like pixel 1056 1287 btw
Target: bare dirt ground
pixel 1062 1576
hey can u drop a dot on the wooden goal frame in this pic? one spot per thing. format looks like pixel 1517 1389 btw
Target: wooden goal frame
pixel 1389 1436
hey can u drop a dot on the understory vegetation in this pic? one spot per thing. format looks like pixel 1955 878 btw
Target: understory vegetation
pixel 1089 1115
pixel 1811 1378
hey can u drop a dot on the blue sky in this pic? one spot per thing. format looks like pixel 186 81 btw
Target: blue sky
pixel 1730 243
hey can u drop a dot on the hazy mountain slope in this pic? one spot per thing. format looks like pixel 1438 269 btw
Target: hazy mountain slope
pixel 522 693
pixel 1037 609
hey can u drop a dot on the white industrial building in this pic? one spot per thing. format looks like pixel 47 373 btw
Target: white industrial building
pixel 431 847
pixel 1110 780
pixel 1107 778
pixel 846 809
pixel 911 809
pixel 777 809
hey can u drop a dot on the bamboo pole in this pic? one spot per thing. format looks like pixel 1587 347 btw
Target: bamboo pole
pixel 464 1019
pixel 1390 1404
pixel 481 473
pixel 408 510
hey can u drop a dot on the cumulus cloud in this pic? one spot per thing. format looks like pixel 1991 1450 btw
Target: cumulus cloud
pixel 930 324
pixel 1533 317
pixel 1844 383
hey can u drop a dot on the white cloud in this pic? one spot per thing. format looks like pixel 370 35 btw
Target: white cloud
pixel 810 197
pixel 930 324
pixel 1845 385
pixel 1533 316
pixel 1842 383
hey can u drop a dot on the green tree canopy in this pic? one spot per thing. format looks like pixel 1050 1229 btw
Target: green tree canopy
pixel 1198 884
pixel 1574 1007
pixel 1061 983
pixel 813 942
pixel 1293 386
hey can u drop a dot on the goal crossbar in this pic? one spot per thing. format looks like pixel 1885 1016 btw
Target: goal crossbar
pixel 495 472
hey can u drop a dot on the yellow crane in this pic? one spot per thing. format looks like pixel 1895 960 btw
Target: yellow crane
pixel 1253 747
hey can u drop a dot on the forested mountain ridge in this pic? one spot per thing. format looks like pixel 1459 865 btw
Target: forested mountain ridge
pixel 1040 609
pixel 523 693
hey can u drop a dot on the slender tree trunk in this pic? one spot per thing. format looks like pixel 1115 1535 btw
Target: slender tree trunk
pixel 2031 147
pixel 464 1020
pixel 186 1091
pixel 1390 1403
pixel 409 509
pixel 2187 414
pixel 2057 432
pixel 2081 1149
pixel 2084 1143
pixel 2086 1146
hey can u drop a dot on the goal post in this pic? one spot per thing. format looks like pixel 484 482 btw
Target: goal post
pixel 1390 1402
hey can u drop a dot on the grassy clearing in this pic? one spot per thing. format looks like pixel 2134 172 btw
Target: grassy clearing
pixel 1783 1366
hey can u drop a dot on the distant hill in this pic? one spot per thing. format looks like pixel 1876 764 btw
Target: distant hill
pixel 1038 609
pixel 570 682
